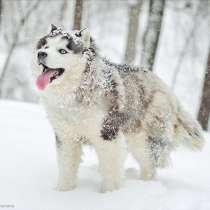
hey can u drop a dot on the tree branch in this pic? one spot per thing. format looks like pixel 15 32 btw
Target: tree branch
pixel 14 43
pixel 184 49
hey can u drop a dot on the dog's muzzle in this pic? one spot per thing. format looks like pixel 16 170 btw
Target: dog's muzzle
pixel 41 56
pixel 47 76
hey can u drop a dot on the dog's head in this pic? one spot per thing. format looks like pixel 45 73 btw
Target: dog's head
pixel 58 53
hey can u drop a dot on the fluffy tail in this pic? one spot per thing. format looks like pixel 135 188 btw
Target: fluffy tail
pixel 189 130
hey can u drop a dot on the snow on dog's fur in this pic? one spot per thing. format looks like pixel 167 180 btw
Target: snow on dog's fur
pixel 113 107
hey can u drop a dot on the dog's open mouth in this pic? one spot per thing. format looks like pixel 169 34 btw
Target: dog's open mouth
pixel 47 76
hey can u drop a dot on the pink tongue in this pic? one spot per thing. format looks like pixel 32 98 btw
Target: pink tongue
pixel 44 79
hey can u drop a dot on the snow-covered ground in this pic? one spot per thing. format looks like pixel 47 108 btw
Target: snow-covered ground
pixel 28 172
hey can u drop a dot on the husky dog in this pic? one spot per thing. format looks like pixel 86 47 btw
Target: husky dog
pixel 114 108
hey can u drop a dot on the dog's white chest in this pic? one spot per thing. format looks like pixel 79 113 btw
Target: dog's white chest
pixel 85 121
pixel 81 119
pixel 83 114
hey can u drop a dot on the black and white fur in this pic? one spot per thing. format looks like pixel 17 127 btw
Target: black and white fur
pixel 112 107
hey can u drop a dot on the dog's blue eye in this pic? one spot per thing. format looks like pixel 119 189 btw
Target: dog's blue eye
pixel 62 51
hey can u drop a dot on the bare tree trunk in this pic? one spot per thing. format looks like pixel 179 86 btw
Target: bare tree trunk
pixel 204 110
pixel 133 25
pixel 152 33
pixel 14 43
pixel 0 12
pixel 78 14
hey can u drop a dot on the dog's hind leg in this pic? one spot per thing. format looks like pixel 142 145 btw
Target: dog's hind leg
pixel 137 145
pixel 68 154
pixel 160 139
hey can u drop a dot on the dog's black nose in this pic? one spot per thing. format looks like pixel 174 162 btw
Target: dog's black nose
pixel 42 55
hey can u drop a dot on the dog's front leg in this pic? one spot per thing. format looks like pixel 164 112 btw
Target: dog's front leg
pixel 68 154
pixel 111 155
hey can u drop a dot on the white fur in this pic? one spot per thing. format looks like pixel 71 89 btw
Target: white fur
pixel 138 147
pixel 71 121
pixel 75 123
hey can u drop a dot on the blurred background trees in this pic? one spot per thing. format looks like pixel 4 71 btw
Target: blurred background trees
pixel 172 38
pixel 0 11
pixel 133 27
pixel 78 14
pixel 14 42
pixel 152 33
pixel 204 110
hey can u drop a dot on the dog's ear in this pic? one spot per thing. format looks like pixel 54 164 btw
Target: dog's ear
pixel 85 36
pixel 53 27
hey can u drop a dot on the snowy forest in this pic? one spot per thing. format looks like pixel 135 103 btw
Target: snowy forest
pixel 169 37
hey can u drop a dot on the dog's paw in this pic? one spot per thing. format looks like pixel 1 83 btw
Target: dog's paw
pixel 109 187
pixel 147 176
pixel 65 187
